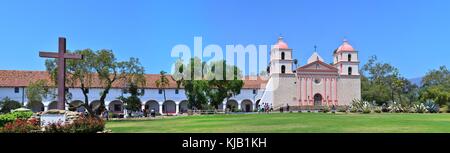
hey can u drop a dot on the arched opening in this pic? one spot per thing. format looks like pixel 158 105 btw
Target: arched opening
pixel 349 57
pixel 283 69
pixel 282 55
pixel 349 70
pixel 220 106
pixel 95 105
pixel 53 105
pixel 152 104
pixel 116 107
pixel 183 106
pixel 36 106
pixel 77 106
pixel 169 107
pixel 247 105
pixel 232 105
pixel 317 100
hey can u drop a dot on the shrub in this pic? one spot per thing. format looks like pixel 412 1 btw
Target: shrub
pixel 361 106
pixel 81 125
pixel 367 109
pixel 342 109
pixel 420 108
pixel 377 109
pixel 326 109
pixel 353 110
pixel 431 106
pixel 385 108
pixel 8 105
pixel 23 114
pixel 6 118
pixel 396 107
pixel 21 126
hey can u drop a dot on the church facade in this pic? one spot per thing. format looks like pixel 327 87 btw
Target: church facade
pixel 314 84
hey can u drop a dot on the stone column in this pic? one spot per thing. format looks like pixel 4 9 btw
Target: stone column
pixel 160 108
pixel 177 108
pixel 224 106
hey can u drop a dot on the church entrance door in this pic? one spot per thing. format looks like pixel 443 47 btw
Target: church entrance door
pixel 317 100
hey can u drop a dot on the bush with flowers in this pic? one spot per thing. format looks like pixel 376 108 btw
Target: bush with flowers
pixel 81 125
pixel 21 126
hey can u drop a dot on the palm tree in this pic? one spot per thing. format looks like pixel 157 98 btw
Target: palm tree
pixel 162 83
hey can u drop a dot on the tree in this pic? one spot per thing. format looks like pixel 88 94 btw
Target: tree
pixel 162 83
pixel 436 86
pixel 8 104
pixel 220 86
pixel 36 91
pixel 104 68
pixel 382 82
pixel 191 77
pixel 205 83
pixel 133 101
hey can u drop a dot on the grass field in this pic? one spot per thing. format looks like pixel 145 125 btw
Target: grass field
pixel 290 123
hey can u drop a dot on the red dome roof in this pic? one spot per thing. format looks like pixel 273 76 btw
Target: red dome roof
pixel 281 44
pixel 345 47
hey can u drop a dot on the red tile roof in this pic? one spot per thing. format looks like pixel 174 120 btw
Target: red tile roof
pixel 15 78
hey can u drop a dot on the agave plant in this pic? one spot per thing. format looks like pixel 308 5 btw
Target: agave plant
pixel 326 109
pixel 420 108
pixel 377 109
pixel 431 106
pixel 367 108
pixel 361 106
pixel 396 107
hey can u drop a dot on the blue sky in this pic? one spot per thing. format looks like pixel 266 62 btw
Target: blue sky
pixel 411 35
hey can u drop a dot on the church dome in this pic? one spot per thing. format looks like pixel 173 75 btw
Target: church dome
pixel 345 47
pixel 281 44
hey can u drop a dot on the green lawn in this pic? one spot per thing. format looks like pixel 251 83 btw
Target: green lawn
pixel 290 123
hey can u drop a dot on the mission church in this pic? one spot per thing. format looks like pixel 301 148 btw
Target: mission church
pixel 314 84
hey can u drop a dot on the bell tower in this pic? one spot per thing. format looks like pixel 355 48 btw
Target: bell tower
pixel 349 83
pixel 346 60
pixel 281 61
pixel 281 89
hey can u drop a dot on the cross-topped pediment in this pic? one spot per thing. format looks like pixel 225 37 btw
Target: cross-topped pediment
pixel 317 66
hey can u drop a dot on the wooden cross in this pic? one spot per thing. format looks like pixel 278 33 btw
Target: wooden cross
pixel 61 76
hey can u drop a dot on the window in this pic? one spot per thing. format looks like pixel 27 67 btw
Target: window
pixel 282 55
pixel 87 90
pixel 16 90
pixel 254 91
pixel 283 69
pixel 160 91
pixel 349 57
pixel 349 70
pixel 176 91
pixel 66 90
pixel 317 80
